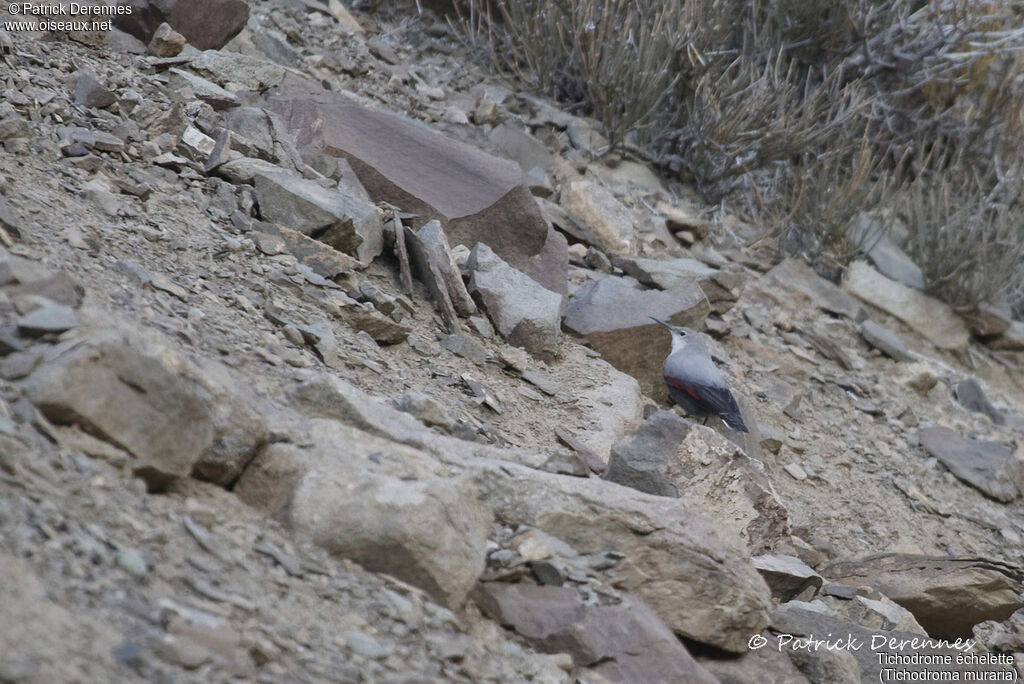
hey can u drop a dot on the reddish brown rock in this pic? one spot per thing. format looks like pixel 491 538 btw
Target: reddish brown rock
pixel 206 24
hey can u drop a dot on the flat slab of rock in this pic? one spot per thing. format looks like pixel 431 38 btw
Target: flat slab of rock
pixel 988 466
pixel 721 287
pixel 947 595
pixel 325 261
pixel 932 319
pixel 794 274
pixel 626 642
pixel 175 419
pixel 613 316
pixel 884 340
pixel 206 24
pixel 522 310
pixel 696 576
pixel 477 197
pixel 610 221
pixel 787 576
pixel 334 217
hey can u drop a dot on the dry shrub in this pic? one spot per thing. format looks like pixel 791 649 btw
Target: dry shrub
pixel 807 111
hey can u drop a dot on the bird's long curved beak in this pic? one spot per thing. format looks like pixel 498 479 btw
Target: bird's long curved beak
pixel 658 320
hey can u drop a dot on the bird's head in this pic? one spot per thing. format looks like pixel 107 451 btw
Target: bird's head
pixel 681 336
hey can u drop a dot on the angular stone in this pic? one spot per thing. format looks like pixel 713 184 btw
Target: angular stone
pixel 609 220
pixel 794 275
pixel 335 217
pixel 431 270
pixel 885 340
pixel 87 91
pixel 696 576
pixel 14 126
pixel 987 466
pixel 432 239
pixel 222 68
pixel 166 42
pixel 175 418
pixel 205 90
pixel 475 196
pixel 206 24
pixel 948 596
pixel 133 400
pixel 613 316
pixel 624 642
pixel 886 255
pixel 787 576
pixel 49 317
pixel 813 619
pixel 324 260
pixel 972 397
pixel 523 311
pixel 431 533
pixel 640 460
pixel 932 319
pixel 721 287
pixel 245 169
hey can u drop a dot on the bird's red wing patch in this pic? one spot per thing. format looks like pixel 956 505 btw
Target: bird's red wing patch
pixel 675 382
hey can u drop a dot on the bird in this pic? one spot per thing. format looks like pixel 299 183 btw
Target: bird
pixel 693 381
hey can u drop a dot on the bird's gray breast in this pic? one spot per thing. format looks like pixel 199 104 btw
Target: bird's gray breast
pixel 692 368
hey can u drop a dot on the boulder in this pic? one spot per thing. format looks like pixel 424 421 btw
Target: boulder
pixel 797 620
pixel 668 456
pixel 971 396
pixel 884 340
pixel 947 596
pixel 787 576
pixel 695 575
pixel 476 197
pixel 793 275
pixel 206 24
pixel 222 68
pixel 932 319
pixel 171 416
pixel 721 287
pixel 334 217
pixel 610 221
pixel 623 642
pixel 613 316
pixel 987 466
pixel 431 533
pixel 641 460
pixel 522 310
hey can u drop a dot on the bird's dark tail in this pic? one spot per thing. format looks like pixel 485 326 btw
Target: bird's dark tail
pixel 734 421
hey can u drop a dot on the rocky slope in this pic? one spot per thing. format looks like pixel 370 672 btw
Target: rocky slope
pixel 325 356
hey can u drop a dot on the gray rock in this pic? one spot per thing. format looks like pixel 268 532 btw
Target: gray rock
pixel 14 126
pixel 624 642
pixel 947 596
pixel 787 576
pixel 166 42
pixel 593 206
pixel 206 24
pixel 522 310
pixel 49 317
pixel 204 89
pixel 696 576
pixel 932 319
pixel 87 91
pixel 721 287
pixel 432 239
pixel 971 396
pixel 794 275
pixel 613 317
pixel 425 408
pixel 334 217
pixel 431 533
pixel 885 340
pixel 884 254
pixel 173 417
pixel 641 460
pixel 250 72
pixel 988 466
pixel 475 196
